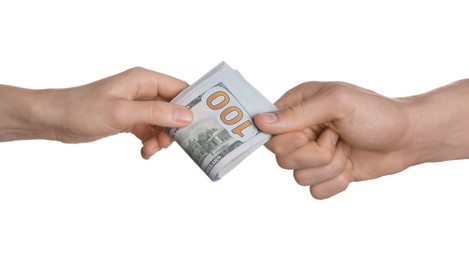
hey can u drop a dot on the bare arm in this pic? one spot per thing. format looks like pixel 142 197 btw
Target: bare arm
pixel 440 123
pixel 334 133
pixel 16 113
pixel 134 101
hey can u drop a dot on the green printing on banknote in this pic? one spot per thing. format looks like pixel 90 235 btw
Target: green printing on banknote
pixel 222 133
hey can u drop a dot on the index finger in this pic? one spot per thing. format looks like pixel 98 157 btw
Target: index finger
pixel 299 93
pixel 148 84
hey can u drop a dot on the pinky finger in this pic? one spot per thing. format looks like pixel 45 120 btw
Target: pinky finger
pixel 333 186
pixel 159 141
pixel 164 139
pixel 150 147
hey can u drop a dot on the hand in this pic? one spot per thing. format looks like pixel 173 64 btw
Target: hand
pixel 333 133
pixel 133 101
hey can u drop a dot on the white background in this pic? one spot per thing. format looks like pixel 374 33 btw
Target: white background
pixel 102 201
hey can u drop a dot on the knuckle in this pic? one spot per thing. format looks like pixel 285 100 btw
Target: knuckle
pixel 297 110
pixel 136 70
pixel 284 163
pixel 342 183
pixel 309 84
pixel 156 111
pixel 301 178
pixel 326 157
pixel 335 168
pixel 316 193
pixel 276 149
pixel 270 145
pixel 135 74
pixel 274 145
pixel 337 90
pixel 291 113
pixel 340 92
pixel 306 85
pixel 162 114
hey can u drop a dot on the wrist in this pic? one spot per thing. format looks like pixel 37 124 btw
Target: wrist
pixel 25 114
pixel 439 124
pixel 15 114
pixel 45 107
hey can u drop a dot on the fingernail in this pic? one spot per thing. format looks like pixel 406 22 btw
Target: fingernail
pixel 182 115
pixel 298 142
pixel 334 138
pixel 269 118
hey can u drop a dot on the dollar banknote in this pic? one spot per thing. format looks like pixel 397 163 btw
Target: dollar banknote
pixel 222 133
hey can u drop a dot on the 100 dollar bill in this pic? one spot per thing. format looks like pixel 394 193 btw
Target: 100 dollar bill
pixel 222 132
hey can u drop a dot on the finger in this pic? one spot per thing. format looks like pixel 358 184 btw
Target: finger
pixel 316 175
pixel 323 107
pixel 150 147
pixel 284 144
pixel 158 113
pixel 313 154
pixel 151 84
pixel 143 132
pixel 333 186
pixel 299 93
pixel 164 139
pixel 168 86
pixel 160 140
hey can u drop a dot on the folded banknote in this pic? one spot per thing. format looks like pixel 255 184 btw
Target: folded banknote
pixel 222 133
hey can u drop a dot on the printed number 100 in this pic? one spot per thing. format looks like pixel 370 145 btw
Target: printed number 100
pixel 230 115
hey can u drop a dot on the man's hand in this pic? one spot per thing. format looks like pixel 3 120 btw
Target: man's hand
pixel 333 133
pixel 133 101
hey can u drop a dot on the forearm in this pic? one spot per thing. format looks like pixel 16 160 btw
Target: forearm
pixel 24 114
pixel 440 124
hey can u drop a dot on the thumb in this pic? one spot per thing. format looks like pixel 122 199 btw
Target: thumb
pixel 296 117
pixel 158 113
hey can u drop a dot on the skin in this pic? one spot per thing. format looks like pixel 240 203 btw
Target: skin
pixel 133 101
pixel 329 133
pixel 335 133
